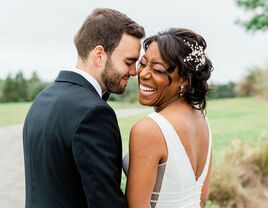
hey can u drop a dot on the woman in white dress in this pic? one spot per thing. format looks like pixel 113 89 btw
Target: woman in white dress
pixel 170 149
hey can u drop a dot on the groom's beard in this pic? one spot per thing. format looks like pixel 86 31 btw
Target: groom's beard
pixel 111 78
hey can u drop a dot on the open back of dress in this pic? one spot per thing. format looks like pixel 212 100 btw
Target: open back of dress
pixel 176 185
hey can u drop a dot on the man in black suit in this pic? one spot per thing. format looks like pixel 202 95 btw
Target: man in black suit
pixel 72 144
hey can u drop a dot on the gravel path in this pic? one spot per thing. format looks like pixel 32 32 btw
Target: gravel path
pixel 11 167
pixel 11 162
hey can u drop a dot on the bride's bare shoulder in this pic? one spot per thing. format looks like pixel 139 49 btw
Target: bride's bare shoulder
pixel 145 126
pixel 146 135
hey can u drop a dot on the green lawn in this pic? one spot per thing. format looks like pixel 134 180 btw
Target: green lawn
pixel 122 105
pixel 243 118
pixel 13 113
pixel 237 118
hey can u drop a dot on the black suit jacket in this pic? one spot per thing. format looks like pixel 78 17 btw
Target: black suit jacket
pixel 72 148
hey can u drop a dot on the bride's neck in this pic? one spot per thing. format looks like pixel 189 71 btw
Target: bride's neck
pixel 165 104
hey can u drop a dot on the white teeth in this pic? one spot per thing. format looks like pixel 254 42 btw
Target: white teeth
pixel 146 91
pixel 143 88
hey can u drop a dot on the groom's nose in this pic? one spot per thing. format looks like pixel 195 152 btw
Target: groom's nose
pixel 133 70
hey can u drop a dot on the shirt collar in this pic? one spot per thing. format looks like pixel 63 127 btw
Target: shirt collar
pixel 88 77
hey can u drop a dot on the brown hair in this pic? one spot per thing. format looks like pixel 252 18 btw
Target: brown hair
pixel 105 27
pixel 174 50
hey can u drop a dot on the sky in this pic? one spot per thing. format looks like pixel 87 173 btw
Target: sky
pixel 38 35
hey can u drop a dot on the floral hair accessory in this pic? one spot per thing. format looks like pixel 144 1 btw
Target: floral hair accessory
pixel 197 55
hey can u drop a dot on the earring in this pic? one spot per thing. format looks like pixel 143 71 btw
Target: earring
pixel 181 90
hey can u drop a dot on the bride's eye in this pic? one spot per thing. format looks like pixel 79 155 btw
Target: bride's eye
pixel 159 71
pixel 141 63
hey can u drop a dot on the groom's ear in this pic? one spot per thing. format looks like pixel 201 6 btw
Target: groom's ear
pixel 99 55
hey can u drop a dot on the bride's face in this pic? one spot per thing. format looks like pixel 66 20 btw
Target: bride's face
pixel 155 87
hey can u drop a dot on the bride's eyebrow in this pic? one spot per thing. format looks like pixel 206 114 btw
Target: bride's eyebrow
pixel 158 62
pixel 154 61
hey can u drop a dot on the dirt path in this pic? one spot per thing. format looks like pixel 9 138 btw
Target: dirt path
pixel 11 167
pixel 11 162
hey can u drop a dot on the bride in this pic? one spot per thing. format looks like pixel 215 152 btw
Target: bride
pixel 169 159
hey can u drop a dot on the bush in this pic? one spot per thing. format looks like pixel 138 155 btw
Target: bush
pixel 238 179
pixel 261 85
pixel 254 84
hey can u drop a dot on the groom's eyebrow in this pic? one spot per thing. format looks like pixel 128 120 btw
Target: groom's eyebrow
pixel 132 59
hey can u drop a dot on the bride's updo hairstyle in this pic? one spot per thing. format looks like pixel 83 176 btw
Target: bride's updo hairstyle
pixel 184 49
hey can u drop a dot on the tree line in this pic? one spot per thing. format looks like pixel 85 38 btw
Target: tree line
pixel 252 84
pixel 19 89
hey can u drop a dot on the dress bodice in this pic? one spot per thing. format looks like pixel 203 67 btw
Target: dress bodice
pixel 176 184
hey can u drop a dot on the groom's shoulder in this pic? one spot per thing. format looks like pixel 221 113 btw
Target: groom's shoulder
pixel 70 98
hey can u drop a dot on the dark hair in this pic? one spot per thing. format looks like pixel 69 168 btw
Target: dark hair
pixel 105 27
pixel 174 50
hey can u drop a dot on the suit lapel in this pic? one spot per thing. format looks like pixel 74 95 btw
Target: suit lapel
pixel 72 77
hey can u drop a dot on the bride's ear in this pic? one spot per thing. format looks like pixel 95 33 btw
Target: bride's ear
pixel 182 82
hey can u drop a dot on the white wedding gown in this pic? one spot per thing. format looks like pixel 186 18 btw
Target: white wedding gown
pixel 176 185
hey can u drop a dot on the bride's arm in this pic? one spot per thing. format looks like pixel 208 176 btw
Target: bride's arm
pixel 146 148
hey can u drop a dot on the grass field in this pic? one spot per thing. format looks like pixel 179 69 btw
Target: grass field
pixel 13 113
pixel 230 119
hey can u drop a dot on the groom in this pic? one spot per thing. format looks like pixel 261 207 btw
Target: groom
pixel 71 139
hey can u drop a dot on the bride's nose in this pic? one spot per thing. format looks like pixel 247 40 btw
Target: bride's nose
pixel 144 72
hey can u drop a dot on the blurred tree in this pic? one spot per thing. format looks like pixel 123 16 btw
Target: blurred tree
pixel 259 18
pixel 21 87
pixel 9 90
pixel 131 93
pixel 254 83
pixel 246 87
pixel 261 85
pixel 35 85
pixel 35 78
pixel 222 90
pixel 1 89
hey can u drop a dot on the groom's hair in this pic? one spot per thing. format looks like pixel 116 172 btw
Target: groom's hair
pixel 105 27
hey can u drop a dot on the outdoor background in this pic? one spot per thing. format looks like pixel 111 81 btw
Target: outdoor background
pixel 36 42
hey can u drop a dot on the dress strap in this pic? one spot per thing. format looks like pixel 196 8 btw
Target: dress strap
pixel 176 150
pixel 166 129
